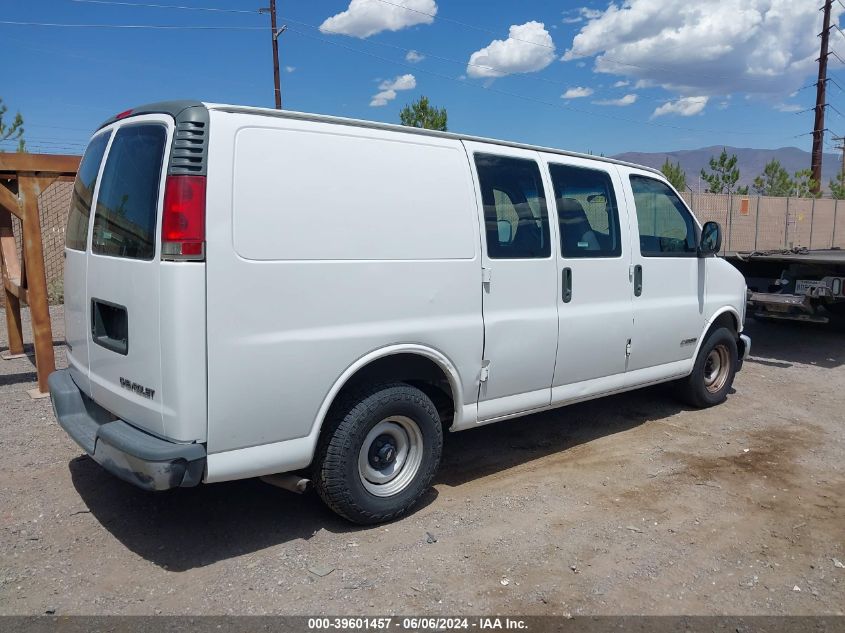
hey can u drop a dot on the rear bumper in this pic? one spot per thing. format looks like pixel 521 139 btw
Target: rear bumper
pixel 141 459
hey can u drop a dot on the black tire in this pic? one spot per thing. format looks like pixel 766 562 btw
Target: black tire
pixel 714 370
pixel 343 483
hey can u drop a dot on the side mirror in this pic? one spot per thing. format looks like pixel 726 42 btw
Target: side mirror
pixel 711 239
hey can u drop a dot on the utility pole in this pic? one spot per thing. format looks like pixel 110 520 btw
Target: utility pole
pixel 275 33
pixel 821 85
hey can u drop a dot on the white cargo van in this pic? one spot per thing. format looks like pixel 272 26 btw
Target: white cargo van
pixel 252 292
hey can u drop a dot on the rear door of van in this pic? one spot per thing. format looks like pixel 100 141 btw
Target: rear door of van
pixel 124 274
pixel 137 323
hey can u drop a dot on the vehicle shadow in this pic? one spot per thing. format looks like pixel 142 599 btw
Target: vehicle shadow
pixel 497 447
pixel 781 343
pixel 194 527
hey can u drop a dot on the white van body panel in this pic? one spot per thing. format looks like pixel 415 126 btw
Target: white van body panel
pixel 596 324
pixel 165 304
pixel 183 351
pixel 297 453
pixel 287 317
pixel 134 285
pixel 671 310
pixel 520 315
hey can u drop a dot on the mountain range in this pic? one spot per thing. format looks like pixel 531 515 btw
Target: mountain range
pixel 750 162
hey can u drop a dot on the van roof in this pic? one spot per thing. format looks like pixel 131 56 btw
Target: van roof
pixel 175 107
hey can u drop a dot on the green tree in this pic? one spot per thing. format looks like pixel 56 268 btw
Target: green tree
pixel 13 132
pixel 422 114
pixel 675 175
pixel 723 174
pixel 804 186
pixel 837 187
pixel 774 181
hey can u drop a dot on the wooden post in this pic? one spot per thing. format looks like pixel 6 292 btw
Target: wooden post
pixel 30 187
pixel 11 276
pixel 757 223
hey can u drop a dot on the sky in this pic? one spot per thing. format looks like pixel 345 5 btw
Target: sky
pixel 636 75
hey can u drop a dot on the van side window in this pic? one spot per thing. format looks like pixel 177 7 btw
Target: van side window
pixel 127 203
pixel 76 236
pixel 515 214
pixel 666 226
pixel 586 211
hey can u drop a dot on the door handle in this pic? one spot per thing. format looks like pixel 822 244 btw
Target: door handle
pixel 567 285
pixel 638 280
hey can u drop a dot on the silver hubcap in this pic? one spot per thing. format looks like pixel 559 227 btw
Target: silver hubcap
pixel 716 369
pixel 390 456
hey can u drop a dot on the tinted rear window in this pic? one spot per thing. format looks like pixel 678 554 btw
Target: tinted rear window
pixel 125 221
pixel 83 192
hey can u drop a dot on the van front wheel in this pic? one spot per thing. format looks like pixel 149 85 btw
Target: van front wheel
pixel 714 370
pixel 379 453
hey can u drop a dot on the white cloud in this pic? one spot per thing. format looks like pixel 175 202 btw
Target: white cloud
pixel 414 57
pixel 368 17
pixel 621 84
pixel 788 107
pixel 627 100
pixel 402 82
pixel 580 15
pixel 577 92
pixel 708 47
pixel 529 48
pixel 290 69
pixel 388 89
pixel 382 98
pixel 685 106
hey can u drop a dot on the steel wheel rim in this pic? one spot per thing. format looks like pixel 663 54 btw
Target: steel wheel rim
pixel 716 369
pixel 401 438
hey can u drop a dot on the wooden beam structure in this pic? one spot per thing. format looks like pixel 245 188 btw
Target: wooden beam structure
pixel 26 281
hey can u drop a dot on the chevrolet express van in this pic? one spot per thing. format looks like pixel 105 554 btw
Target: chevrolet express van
pixel 250 292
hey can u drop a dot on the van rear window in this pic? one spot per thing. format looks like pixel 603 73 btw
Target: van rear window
pixel 125 220
pixel 76 237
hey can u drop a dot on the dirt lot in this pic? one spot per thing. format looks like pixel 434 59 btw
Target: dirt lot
pixel 631 504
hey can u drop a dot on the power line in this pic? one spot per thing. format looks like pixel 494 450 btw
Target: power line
pixel 135 26
pixel 166 6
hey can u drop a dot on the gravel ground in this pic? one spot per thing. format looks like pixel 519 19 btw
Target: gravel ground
pixel 628 505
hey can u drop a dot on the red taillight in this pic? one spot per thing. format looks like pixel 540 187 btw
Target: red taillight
pixel 183 218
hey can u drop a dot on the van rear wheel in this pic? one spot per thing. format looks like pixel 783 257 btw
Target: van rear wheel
pixel 714 370
pixel 379 453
